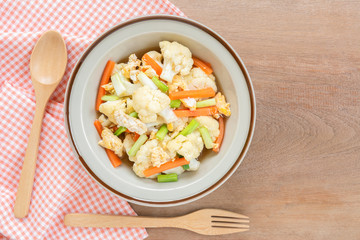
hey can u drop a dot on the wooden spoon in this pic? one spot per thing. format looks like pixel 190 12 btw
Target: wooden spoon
pixel 47 66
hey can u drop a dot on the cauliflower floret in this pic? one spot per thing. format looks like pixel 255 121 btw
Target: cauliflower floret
pixel 211 124
pixel 133 64
pixel 154 55
pixel 189 103
pixel 222 105
pixel 148 102
pixel 108 108
pixel 128 143
pixel 197 79
pixel 112 142
pixel 189 146
pixel 194 165
pixel 131 123
pixel 177 59
pixel 177 170
pixel 139 168
pixel 143 158
pixel 159 156
pixel 163 144
pixel 177 84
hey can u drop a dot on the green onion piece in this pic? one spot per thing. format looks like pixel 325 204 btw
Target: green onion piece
pixel 193 125
pixel 110 98
pixel 186 166
pixel 134 114
pixel 206 103
pixel 141 140
pixel 206 137
pixel 162 132
pixel 120 130
pixel 172 177
pixel 175 103
pixel 162 86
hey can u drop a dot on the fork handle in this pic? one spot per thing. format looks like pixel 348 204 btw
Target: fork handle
pixel 101 220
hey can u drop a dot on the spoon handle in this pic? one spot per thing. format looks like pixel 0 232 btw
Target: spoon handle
pixel 23 195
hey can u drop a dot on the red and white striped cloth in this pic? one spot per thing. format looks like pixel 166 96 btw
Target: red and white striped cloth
pixel 61 185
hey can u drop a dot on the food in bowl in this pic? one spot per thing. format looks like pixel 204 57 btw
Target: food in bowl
pixel 160 111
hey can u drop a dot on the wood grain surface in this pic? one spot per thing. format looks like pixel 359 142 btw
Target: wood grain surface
pixel 301 176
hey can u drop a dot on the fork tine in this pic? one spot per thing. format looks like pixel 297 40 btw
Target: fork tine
pixel 225 230
pixel 233 221
pixel 223 219
pixel 227 214
pixel 230 225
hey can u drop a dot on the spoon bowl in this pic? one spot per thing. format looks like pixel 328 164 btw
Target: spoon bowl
pixel 48 59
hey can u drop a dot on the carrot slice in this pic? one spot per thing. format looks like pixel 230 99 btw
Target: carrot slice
pixel 166 166
pixel 149 60
pixel 136 137
pixel 205 66
pixel 200 93
pixel 206 111
pixel 114 159
pixel 221 135
pixel 98 126
pixel 104 80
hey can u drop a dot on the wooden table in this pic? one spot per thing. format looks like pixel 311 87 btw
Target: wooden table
pixel 301 176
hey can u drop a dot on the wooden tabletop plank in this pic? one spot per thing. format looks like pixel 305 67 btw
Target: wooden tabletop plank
pixel 301 176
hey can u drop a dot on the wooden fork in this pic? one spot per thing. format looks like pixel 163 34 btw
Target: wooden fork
pixel 205 221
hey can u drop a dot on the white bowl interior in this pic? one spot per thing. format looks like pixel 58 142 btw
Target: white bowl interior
pixel 137 38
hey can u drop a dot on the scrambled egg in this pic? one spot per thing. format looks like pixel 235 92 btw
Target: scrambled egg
pixel 133 64
pixel 222 105
pixel 179 125
pixel 112 142
pixel 159 156
pixel 178 84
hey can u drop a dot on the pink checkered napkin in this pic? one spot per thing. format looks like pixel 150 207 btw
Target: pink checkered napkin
pixel 61 185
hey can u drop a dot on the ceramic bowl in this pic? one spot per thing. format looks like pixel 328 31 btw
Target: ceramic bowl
pixel 139 35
